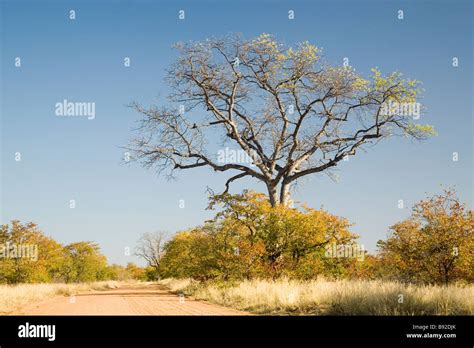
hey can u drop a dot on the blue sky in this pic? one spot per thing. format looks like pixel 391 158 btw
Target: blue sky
pixel 82 60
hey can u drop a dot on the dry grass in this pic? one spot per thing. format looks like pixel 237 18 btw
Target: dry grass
pixel 13 297
pixel 320 297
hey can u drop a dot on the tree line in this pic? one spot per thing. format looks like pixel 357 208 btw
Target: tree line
pixel 28 256
pixel 248 239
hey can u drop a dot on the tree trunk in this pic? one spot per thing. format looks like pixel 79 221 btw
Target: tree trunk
pixel 273 195
pixel 446 274
pixel 285 196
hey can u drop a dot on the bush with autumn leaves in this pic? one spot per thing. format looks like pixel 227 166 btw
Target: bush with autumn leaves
pixel 434 245
pixel 249 239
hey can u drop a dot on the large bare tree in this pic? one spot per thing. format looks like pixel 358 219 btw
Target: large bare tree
pixel 285 107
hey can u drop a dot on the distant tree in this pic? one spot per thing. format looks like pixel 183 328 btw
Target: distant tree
pixel 190 254
pixel 116 272
pixel 27 255
pixel 85 262
pixel 151 273
pixel 289 111
pixel 135 272
pixel 150 248
pixel 434 245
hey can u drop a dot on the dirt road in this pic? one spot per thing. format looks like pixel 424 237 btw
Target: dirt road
pixel 140 299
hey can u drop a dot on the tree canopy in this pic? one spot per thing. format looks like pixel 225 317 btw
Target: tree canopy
pixel 285 107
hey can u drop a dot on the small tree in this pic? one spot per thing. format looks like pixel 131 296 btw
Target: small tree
pixel 85 262
pixel 190 254
pixel 290 112
pixel 434 245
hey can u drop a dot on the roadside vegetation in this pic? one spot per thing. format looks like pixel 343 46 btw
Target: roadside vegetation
pixel 281 260
pixel 34 267
pixel 263 259
pixel 249 239
pixel 14 297
pixel 323 297
pixel 27 255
